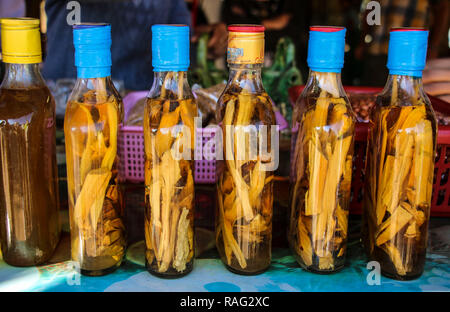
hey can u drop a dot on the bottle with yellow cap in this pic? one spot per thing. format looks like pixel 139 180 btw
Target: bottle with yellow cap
pixel 29 221
pixel 245 190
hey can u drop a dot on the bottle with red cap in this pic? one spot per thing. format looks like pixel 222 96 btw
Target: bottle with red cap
pixel 400 162
pixel 321 165
pixel 250 146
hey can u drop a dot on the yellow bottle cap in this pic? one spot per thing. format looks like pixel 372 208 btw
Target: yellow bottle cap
pixel 245 44
pixel 21 40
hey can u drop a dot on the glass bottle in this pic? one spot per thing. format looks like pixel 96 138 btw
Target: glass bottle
pixel 321 166
pixel 169 136
pixel 29 218
pixel 400 162
pixel 91 123
pixel 245 184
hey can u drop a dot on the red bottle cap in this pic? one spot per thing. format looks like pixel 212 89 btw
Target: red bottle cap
pixel 326 28
pixel 407 29
pixel 246 28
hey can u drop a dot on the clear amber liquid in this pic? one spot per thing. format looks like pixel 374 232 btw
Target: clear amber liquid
pixel 398 188
pixel 95 199
pixel 29 220
pixel 169 186
pixel 320 183
pixel 245 190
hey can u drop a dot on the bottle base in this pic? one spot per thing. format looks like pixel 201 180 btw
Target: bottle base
pixel 25 264
pixel 401 277
pixel 233 270
pixel 100 272
pixel 318 271
pixel 315 270
pixel 169 275
pixel 323 272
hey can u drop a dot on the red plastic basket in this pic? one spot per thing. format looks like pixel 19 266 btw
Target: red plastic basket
pixel 440 203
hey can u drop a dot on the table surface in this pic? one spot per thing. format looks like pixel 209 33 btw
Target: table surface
pixel 209 274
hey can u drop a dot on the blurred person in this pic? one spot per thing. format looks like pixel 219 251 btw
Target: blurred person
pixel 279 17
pixel 343 13
pixel 12 8
pixel 130 30
pixel 207 19
pixel 436 78
pixel 374 42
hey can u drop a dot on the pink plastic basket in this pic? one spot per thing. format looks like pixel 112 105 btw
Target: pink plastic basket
pixel 131 154
pixel 131 149
pixel 205 167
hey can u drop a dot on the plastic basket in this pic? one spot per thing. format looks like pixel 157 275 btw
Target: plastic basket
pixel 131 155
pixel 131 149
pixel 440 203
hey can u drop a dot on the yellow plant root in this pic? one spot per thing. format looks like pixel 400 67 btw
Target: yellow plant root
pixel 320 191
pixel 400 175
pixel 244 224
pixel 98 240
pixel 169 180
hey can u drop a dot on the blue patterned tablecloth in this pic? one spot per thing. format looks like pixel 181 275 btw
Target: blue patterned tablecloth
pixel 210 275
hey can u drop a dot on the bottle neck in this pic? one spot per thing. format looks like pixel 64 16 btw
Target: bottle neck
pixel 246 76
pixel 170 85
pixel 95 91
pixel 22 76
pixel 325 81
pixel 97 84
pixel 404 89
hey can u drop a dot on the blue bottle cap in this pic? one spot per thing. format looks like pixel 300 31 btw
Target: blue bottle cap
pixel 407 51
pixel 326 48
pixel 92 50
pixel 170 47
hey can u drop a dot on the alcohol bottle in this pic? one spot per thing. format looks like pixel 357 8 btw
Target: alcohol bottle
pixel 245 184
pixel 321 166
pixel 91 124
pixel 29 218
pixel 169 136
pixel 400 162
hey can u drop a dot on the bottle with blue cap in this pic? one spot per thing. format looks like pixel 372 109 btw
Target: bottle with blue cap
pixel 29 216
pixel 91 124
pixel 400 162
pixel 321 162
pixel 169 140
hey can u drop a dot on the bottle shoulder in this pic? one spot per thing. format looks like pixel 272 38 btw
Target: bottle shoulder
pixel 258 106
pixel 414 112
pixel 93 96
pixel 170 86
pixel 166 113
pixel 19 102
pixel 325 102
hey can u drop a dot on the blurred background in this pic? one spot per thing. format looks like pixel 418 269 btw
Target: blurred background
pixel 366 48
pixel 286 21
